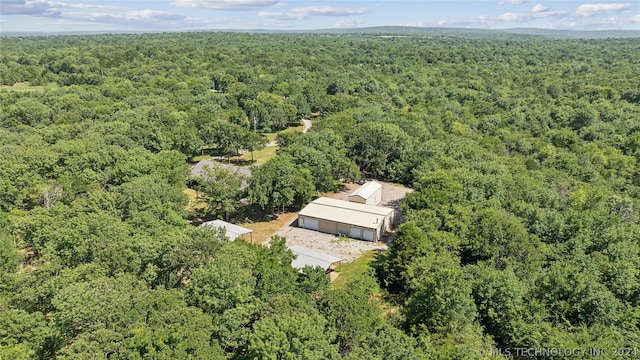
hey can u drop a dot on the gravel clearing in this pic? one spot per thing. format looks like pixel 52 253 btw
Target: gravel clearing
pixel 330 244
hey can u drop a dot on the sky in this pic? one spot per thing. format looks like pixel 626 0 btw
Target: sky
pixel 179 15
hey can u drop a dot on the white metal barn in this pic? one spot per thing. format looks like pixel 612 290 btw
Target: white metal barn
pixel 369 193
pixel 357 221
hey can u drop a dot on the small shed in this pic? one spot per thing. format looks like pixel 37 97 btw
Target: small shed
pixel 232 231
pixel 306 256
pixel 369 193
pixel 357 221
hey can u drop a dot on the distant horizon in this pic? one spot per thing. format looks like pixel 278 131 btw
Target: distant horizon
pixel 108 16
pixel 391 29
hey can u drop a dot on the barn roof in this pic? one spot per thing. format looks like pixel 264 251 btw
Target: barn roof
pixel 346 212
pixel 306 256
pixel 232 230
pixel 367 190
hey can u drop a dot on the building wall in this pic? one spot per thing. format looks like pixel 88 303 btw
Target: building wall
pixel 332 227
pixel 343 229
pixel 374 199
pixel 357 199
pixel 388 221
pixel 327 226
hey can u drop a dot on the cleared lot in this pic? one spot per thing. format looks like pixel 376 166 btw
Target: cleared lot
pixel 343 248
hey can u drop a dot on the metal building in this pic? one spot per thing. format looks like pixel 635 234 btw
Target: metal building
pixel 369 193
pixel 355 220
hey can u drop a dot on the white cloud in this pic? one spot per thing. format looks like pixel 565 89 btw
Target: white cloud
pixel 82 6
pixel 606 23
pixel 278 15
pixel 80 14
pixel 484 21
pixel 348 23
pixel 517 17
pixel 225 4
pixel 129 18
pixel 44 8
pixel 539 8
pixel 586 10
pixel 545 14
pixel 305 12
pixel 329 11
pixel 33 8
pixel 514 2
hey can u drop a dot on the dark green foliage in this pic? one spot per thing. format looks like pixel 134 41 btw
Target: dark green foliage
pixel 290 328
pixel 313 281
pixel 501 237
pixel 151 195
pixel 324 154
pixel 23 335
pixel 221 285
pixel 285 139
pixel 222 190
pixel 410 243
pixel 441 303
pixel 9 256
pixel 273 270
pixel 121 316
pixel 380 149
pixel 385 343
pixel 522 229
pixel 500 298
pixel 352 313
pixel 279 183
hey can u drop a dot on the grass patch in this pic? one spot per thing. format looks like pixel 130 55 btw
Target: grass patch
pixel 259 157
pixel 26 86
pixel 341 239
pixel 351 270
pixel 298 128
pixel 195 204
pixel 199 158
pixel 262 230
pixel 271 136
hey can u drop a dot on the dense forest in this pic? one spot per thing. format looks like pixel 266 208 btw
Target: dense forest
pixel 522 230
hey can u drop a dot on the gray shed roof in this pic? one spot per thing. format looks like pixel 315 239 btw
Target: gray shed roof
pixel 233 231
pixel 367 190
pixel 346 212
pixel 197 170
pixel 306 256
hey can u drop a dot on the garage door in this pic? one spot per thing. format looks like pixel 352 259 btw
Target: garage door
pixel 367 235
pixel 354 233
pixel 311 224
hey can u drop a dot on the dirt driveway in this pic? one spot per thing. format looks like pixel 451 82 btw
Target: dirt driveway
pixel 348 250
